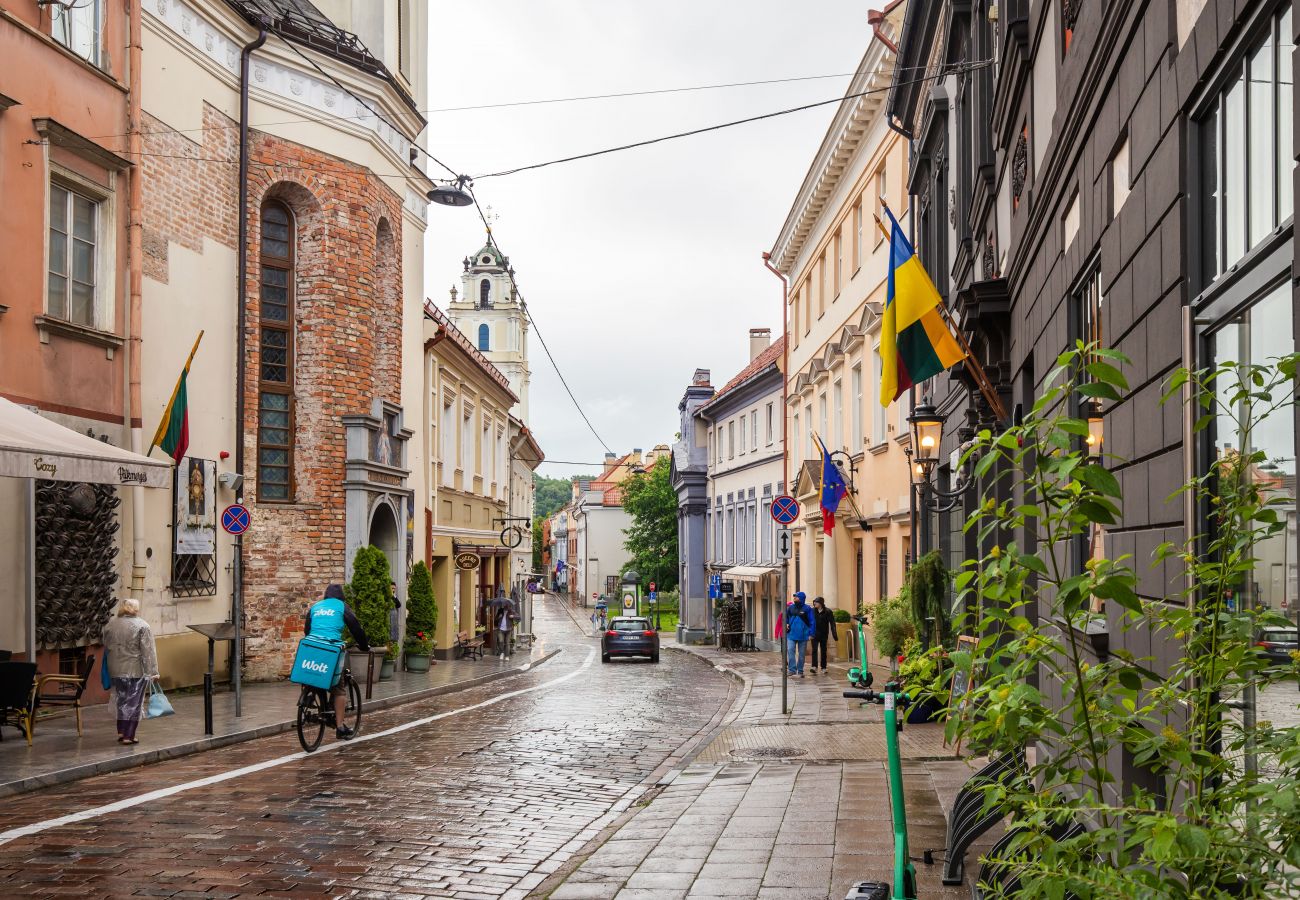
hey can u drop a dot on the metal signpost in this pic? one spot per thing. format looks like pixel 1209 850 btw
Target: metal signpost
pixel 235 519
pixel 785 511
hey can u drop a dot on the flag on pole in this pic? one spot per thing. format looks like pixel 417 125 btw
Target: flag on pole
pixel 915 342
pixel 173 433
pixel 833 490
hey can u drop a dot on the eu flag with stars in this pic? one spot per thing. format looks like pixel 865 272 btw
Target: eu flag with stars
pixel 833 491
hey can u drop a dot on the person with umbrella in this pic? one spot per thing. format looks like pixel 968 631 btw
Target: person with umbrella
pixel 504 616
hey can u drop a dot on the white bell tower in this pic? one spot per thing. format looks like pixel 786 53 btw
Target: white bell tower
pixel 490 313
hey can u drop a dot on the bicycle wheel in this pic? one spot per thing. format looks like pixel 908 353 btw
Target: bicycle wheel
pixel 311 718
pixel 352 712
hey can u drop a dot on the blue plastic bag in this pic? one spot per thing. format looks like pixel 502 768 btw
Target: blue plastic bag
pixel 104 678
pixel 159 705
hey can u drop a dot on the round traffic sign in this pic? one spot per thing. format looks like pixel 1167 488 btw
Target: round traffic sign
pixel 235 518
pixel 785 509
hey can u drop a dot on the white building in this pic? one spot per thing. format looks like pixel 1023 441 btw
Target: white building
pixel 491 312
pixel 742 433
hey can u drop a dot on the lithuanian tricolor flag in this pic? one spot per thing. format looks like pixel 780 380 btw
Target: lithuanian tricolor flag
pixel 915 342
pixel 173 433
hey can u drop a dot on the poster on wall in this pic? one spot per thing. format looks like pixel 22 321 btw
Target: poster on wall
pixel 196 507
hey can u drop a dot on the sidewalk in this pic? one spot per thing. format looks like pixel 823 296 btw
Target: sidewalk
pixel 776 805
pixel 58 755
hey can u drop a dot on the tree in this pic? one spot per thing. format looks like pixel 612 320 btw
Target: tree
pixel 421 609
pixel 537 542
pixel 1208 803
pixel 550 494
pixel 369 590
pixel 652 540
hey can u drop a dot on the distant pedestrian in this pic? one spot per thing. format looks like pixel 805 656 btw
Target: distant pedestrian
pixel 394 613
pixel 132 664
pixel 824 631
pixel 504 617
pixel 800 625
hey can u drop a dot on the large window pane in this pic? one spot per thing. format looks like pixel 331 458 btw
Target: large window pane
pixel 1261 139
pixel 1285 112
pixel 1211 190
pixel 1261 333
pixel 1234 174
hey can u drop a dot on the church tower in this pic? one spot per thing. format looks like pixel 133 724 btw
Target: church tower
pixel 490 313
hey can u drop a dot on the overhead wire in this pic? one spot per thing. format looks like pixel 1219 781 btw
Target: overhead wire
pixel 943 73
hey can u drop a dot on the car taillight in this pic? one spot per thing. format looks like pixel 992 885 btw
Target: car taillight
pixel 1267 645
pixel 648 633
pixel 611 633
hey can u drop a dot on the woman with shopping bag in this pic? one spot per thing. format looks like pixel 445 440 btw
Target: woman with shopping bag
pixel 132 659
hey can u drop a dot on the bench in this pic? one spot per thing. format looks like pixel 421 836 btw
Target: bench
pixel 467 647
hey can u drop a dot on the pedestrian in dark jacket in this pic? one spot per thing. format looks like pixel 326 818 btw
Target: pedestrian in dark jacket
pixel 824 631
pixel 800 625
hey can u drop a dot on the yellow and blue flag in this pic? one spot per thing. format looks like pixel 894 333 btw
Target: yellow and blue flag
pixel 915 343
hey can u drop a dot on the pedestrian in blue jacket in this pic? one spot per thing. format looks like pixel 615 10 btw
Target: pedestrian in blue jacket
pixel 800 626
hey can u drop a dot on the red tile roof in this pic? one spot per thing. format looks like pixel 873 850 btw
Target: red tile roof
pixel 757 365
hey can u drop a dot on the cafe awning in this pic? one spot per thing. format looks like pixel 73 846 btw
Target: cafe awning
pixel 748 573
pixel 32 446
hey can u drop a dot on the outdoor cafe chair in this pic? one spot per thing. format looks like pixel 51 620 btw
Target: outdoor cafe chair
pixel 67 689
pixel 17 696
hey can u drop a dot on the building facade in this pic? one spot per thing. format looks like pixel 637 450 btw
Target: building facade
pixel 1119 173
pixel 68 330
pixel 298 384
pixel 835 260
pixel 745 471
pixel 467 425
pixel 690 480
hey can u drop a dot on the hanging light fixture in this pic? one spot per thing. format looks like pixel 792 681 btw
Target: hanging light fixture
pixel 451 194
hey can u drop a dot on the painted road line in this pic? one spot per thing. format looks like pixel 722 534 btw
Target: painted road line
pixel 161 794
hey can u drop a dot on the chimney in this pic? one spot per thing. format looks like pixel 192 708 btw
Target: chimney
pixel 701 376
pixel 759 340
pixel 636 455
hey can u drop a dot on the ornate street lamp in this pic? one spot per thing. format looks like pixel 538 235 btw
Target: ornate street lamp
pixel 922 460
pixel 451 194
pixel 927 432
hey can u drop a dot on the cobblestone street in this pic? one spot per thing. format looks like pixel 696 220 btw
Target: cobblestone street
pixel 481 803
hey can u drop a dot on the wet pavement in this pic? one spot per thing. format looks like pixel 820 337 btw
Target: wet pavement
pixel 478 794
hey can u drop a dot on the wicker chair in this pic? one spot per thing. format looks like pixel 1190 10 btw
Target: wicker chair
pixel 67 689
pixel 17 696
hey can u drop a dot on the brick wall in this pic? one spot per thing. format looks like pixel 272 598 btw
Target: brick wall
pixel 347 339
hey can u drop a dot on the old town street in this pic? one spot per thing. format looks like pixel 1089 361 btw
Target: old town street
pixel 486 800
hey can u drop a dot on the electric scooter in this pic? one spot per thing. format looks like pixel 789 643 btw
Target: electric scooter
pixel 894 701
pixel 859 675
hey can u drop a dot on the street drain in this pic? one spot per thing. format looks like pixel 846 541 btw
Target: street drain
pixel 767 752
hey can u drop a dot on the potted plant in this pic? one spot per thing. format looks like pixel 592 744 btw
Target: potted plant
pixel 927 588
pixel 421 619
pixel 891 626
pixel 844 643
pixel 921 673
pixel 370 601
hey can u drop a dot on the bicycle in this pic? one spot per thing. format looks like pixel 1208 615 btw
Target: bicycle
pixel 316 711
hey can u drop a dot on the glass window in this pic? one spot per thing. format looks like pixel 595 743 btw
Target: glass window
pixel 822 419
pixel 808 439
pixel 857 235
pixel 275 432
pixel 771 430
pixel 1260 333
pixel 857 410
pixel 877 420
pixel 882 570
pixel 839 261
pixel 753 429
pixel 73 250
pixel 1246 141
pixel 836 441
pixel 484 294
pixel 77 27
pixel 731 439
pixel 743 442
pixel 483 341
pixel 794 444
pixel 766 524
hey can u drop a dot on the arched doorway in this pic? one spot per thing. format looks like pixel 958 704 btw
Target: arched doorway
pixel 383 534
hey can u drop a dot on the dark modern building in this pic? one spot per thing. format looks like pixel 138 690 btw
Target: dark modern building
pixel 1118 172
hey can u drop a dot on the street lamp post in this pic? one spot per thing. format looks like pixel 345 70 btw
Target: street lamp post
pixel 926 423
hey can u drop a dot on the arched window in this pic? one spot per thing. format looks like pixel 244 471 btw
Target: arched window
pixel 275 385
pixel 484 293
pixel 483 335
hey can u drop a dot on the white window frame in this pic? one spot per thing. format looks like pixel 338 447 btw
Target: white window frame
pixel 878 430
pixel 69 23
pixel 105 244
pixel 753 429
pixel 856 385
pixel 743 441
pixel 771 421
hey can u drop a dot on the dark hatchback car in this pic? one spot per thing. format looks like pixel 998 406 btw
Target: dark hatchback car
pixel 629 636
pixel 1278 643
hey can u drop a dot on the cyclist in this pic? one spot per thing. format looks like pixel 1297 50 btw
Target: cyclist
pixel 326 619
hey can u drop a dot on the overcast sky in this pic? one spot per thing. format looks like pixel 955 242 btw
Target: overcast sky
pixel 640 266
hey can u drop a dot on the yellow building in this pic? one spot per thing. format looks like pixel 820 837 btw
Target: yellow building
pixel 466 433
pixel 836 261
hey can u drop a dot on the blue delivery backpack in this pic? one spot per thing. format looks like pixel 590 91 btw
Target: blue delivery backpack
pixel 319 663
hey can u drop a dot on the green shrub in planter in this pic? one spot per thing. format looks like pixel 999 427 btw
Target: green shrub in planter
pixel 421 608
pixel 369 596
pixel 891 625
pixel 842 615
